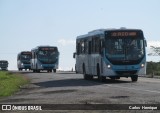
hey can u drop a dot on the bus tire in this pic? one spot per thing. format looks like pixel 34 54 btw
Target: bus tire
pixel 84 73
pixel 37 70
pixel 114 78
pixel 54 70
pixel 134 78
pixel 100 78
pixel 49 71
pixel 76 70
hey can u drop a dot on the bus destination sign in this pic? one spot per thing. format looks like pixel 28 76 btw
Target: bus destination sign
pixel 26 53
pixel 47 48
pixel 123 34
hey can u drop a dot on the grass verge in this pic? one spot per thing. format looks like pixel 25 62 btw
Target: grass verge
pixel 11 83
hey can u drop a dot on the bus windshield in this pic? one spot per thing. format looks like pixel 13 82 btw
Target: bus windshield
pixel 48 56
pixel 124 49
pixel 26 57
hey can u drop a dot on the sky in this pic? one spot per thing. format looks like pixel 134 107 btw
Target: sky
pixel 25 24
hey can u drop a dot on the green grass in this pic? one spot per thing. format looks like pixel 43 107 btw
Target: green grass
pixel 11 83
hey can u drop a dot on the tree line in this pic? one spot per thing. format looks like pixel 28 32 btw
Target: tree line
pixel 153 68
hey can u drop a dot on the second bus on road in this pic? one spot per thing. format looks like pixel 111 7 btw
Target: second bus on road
pixel 45 58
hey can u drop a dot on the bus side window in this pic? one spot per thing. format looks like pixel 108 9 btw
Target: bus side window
pixel 85 47
pixel 97 44
pixel 19 57
pixel 34 55
pixel 77 48
pixel 93 45
pixel 82 47
pixel 101 46
pixel 90 46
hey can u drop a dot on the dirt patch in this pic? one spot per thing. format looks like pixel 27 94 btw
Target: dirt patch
pixel 60 91
pixel 95 101
pixel 117 97
pixel 17 100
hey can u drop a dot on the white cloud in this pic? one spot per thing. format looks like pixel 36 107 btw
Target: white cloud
pixel 65 42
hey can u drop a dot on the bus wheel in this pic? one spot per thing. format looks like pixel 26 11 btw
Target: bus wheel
pixel 134 78
pixel 114 78
pixel 38 71
pixel 54 70
pixel 76 70
pixel 49 71
pixel 100 78
pixel 85 76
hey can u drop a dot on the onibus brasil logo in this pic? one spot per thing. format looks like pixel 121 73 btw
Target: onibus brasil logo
pixel 20 107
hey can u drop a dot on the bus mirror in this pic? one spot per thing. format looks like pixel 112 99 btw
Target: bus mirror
pixel 74 55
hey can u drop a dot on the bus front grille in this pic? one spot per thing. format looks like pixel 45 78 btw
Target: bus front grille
pixel 126 72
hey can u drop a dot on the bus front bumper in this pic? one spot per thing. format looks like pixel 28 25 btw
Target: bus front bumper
pixel 124 71
pixel 48 66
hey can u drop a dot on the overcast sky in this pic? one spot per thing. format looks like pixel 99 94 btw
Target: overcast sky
pixel 25 24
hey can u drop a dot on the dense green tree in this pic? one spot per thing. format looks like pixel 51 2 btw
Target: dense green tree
pixel 153 68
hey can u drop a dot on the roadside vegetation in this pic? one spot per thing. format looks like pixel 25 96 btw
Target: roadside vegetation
pixel 10 83
pixel 153 68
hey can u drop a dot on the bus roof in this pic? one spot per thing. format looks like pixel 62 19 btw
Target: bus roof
pixel 24 52
pixel 43 46
pixel 3 61
pixel 101 31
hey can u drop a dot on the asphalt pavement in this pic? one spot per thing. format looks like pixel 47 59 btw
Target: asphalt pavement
pixel 71 88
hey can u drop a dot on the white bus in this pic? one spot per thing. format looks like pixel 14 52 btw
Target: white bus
pixel 111 53
pixel 45 58
pixel 4 65
pixel 23 60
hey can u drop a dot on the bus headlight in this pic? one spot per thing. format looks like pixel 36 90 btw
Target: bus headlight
pixel 109 66
pixel 142 65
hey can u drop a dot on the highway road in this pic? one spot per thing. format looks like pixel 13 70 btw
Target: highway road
pixel 71 88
